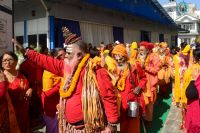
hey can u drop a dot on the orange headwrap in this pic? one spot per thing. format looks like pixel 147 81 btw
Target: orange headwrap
pixel 120 49
pixel 163 44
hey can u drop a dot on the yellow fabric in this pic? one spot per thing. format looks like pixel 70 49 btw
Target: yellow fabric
pixel 163 44
pixel 134 45
pixel 49 80
pixel 120 49
pixel 111 64
pixel 194 68
pixel 177 84
pixel 186 50
pixel 106 52
pixel 133 52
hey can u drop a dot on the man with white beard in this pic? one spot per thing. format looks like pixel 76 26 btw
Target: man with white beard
pixel 151 65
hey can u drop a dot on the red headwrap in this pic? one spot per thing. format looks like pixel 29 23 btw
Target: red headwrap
pixel 147 45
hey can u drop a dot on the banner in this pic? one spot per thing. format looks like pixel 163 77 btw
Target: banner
pixel 6 26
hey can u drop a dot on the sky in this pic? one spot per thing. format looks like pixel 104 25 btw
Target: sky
pixel 197 2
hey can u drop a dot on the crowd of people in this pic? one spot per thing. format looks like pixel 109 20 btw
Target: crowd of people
pixel 84 89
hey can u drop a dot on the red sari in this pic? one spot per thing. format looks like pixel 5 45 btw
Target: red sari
pixel 8 122
pixel 17 90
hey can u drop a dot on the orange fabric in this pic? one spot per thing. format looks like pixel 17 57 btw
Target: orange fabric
pixel 151 98
pixel 120 49
pixel 151 69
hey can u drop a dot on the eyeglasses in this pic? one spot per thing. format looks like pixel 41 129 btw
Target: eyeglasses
pixel 7 60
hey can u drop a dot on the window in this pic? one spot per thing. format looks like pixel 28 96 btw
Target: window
pixel 32 41
pixel 43 39
pixel 20 39
pixel 187 40
pixel 174 40
pixel 161 37
pixel 170 10
pixel 188 26
pixel 146 36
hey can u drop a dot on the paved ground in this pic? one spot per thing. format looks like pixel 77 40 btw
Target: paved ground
pixel 173 121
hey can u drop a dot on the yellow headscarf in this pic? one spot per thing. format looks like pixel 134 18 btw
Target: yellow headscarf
pixel 133 51
pixel 163 44
pixel 186 50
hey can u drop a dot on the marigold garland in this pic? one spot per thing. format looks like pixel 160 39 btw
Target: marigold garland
pixel 122 81
pixel 68 93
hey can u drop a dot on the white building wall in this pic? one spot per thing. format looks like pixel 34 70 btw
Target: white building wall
pixel 39 23
pixel 96 33
pixel 96 15
pixel 37 26
pixel 154 37
pixel 19 28
pixel 167 38
pixel 131 35
pixel 23 10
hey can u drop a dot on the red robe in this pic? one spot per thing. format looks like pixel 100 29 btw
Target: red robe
pixel 128 124
pixel 73 112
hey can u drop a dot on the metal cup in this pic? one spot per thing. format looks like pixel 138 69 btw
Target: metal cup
pixel 133 109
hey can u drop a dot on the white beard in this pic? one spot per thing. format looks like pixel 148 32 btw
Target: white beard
pixel 143 56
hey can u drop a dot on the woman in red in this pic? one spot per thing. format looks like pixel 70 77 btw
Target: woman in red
pixel 8 121
pixel 18 89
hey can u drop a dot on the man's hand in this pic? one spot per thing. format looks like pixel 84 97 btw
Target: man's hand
pixel 137 90
pixel 18 46
pixel 110 129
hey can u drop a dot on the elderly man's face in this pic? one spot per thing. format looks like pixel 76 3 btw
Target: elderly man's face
pixel 143 52
pixel 73 56
pixel 121 60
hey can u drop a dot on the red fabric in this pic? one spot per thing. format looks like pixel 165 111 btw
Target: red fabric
pixel 73 104
pixel 192 120
pixel 46 62
pixel 17 90
pixel 147 45
pixel 127 95
pixel 33 73
pixel 50 99
pixel 2 89
pixel 108 96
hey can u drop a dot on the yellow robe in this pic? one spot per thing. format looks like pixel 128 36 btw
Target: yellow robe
pixel 180 79
pixel 188 76
pixel 49 80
